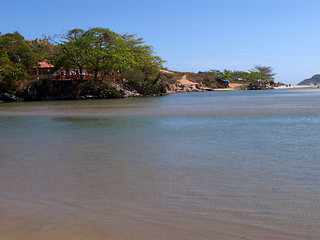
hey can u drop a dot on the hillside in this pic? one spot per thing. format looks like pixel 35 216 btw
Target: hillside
pixel 190 82
pixel 315 79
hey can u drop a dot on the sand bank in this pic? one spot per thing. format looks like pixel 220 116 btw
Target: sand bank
pixel 295 86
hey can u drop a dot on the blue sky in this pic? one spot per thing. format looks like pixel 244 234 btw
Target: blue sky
pixel 191 35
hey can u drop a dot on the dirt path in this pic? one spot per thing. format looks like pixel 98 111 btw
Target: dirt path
pixel 185 81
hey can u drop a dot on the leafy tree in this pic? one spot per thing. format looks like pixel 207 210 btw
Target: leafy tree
pixel 72 52
pixel 104 52
pixel 227 75
pixel 142 56
pixel 216 73
pixel 254 76
pixel 42 48
pixel 10 73
pixel 267 74
pixel 18 49
pixel 16 59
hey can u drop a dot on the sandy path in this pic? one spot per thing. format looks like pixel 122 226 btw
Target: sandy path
pixel 185 81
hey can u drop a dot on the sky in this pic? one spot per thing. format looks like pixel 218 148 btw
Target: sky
pixel 191 35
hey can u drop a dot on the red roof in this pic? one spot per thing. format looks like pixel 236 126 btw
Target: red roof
pixel 44 64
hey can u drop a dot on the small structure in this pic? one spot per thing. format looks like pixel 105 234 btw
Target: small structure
pixel 42 71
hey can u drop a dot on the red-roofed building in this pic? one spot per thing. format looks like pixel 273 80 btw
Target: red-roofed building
pixel 41 71
pixel 44 71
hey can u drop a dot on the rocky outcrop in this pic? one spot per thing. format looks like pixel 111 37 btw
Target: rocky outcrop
pixel 258 86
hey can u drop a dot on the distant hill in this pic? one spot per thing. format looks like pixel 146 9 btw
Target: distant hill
pixel 315 79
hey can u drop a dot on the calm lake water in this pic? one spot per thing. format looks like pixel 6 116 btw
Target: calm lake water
pixel 214 165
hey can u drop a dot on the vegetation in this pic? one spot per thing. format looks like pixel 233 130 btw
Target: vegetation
pixel 101 51
pixel 17 57
pixel 258 75
pixel 145 83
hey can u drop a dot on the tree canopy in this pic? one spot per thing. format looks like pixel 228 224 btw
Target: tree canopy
pixel 17 57
pixel 102 50
pixel 259 74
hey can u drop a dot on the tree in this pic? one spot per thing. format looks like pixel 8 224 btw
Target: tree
pixel 42 48
pixel 16 59
pixel 216 73
pixel 142 56
pixel 267 74
pixel 228 75
pixel 259 74
pixel 72 51
pixel 254 76
pixel 18 49
pixel 103 53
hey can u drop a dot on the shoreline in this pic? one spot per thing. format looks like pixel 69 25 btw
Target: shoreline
pixel 185 85
pixel 295 86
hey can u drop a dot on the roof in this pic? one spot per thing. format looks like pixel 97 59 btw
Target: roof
pixel 44 64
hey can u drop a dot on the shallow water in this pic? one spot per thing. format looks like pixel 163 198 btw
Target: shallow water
pixel 215 165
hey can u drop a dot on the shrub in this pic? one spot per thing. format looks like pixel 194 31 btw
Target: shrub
pixel 145 83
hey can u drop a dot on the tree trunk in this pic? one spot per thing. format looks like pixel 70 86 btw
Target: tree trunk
pixel 81 76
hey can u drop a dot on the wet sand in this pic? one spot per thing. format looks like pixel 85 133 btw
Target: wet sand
pixel 56 220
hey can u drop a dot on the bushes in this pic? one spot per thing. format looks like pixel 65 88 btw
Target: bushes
pixel 145 83
pixel 95 89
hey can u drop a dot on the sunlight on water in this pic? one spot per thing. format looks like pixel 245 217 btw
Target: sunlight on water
pixel 228 165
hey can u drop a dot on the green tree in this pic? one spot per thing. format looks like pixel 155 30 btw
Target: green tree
pixel 102 50
pixel 216 73
pixel 10 73
pixel 18 49
pixel 105 50
pixel 72 52
pixel 141 56
pixel 16 59
pixel 42 48
pixel 267 74
pixel 254 76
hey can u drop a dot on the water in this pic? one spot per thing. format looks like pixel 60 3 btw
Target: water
pixel 216 165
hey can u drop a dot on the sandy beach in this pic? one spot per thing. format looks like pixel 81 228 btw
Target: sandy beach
pixel 296 86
